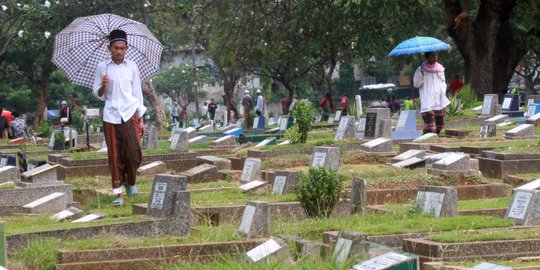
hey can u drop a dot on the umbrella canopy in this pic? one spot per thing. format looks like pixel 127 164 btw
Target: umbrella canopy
pixel 80 47
pixel 419 45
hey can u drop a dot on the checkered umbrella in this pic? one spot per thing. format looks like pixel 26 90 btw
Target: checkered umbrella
pixel 83 44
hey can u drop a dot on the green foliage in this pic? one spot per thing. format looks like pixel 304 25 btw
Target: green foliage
pixel 42 253
pixel 293 134
pixel 467 97
pixel 455 107
pixel 304 113
pixel 59 140
pixel 318 191
pixel 44 128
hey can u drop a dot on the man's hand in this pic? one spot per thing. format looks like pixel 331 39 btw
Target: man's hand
pixel 104 83
pixel 141 127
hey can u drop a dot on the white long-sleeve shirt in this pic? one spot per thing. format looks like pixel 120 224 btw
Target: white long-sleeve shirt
pixel 123 95
pixel 432 89
pixel 260 103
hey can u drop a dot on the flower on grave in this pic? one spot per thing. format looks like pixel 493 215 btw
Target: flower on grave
pixel 4 8
pixel 47 4
pixel 47 34
pixel 20 33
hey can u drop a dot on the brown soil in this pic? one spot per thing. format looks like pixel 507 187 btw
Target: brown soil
pixel 363 158
pixel 441 180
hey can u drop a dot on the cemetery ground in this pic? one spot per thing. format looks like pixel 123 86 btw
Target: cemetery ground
pixel 217 204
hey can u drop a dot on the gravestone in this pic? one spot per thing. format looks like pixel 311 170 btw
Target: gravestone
pixel 438 201
pixel 379 145
pixel 436 157
pixel 350 245
pixel 283 123
pixel 285 142
pixel 497 119
pixel 198 139
pixel 35 162
pixel 163 196
pixel 524 207
pixel 378 123
pixel 258 123
pixel 9 173
pixel 531 185
pixel 70 213
pixel 510 106
pixel 206 129
pixel 453 163
pixel 284 181
pixel 532 109
pixel 155 167
pixel 8 161
pixel 487 131
pixel 266 142
pixel 179 141
pixel 331 119
pixel 3 244
pixel 489 106
pixel 202 173
pixel 150 139
pixel 255 220
pixel 225 140
pixel 361 125
pixel 317 119
pixel 251 170
pixel 221 163
pixel 89 217
pixel 389 261
pixel 41 174
pixel 337 117
pixel 406 126
pixel 51 203
pixel 273 248
pixel 358 195
pixel 358 100
pixel 411 163
pixel 409 154
pixel 426 137
pixel 524 131
pixel 534 120
pixel 327 157
pixel 489 266
pixel 253 185
pixel 191 132
pixel 345 129
pixel 478 109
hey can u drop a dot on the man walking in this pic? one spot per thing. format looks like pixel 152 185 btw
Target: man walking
pixel 117 82
pixel 248 105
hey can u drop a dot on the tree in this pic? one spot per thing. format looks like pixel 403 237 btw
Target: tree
pixel 492 36
pixel 529 69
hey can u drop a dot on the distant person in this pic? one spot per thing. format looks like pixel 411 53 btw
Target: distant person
pixel 182 117
pixel 65 113
pixel 455 85
pixel 3 125
pixel 429 78
pixel 293 104
pixel 175 113
pixel 259 106
pixel 344 105
pixel 8 116
pixel 212 106
pixel 17 127
pixel 391 102
pixel 408 104
pixel 284 105
pixel 248 106
pixel 327 106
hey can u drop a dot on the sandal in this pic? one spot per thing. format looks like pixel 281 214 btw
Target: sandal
pixel 131 191
pixel 118 202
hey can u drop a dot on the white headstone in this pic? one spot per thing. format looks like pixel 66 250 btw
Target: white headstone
pixel 506 103
pixel 264 250
pixel 531 185
pixel 426 137
pixel 337 117
pixel 247 218
pixel 358 99
pixel 279 184
pixel 383 262
pixel 318 159
pixel 88 218
pixel 431 202
pixel 519 205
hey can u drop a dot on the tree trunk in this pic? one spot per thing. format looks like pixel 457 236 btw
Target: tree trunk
pixel 228 87
pixel 44 85
pixel 487 44
pixel 290 97
pixel 150 94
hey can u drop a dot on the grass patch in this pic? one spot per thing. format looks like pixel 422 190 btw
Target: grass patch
pixel 471 235
pixel 7 186
pixel 40 254
pixel 483 204
pixel 503 263
pixel 235 197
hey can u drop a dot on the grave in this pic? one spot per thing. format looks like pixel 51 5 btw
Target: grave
pixel 258 123
pixel 358 100
pixel 191 132
pixel 221 163
pixel 150 139
pixel 284 181
pixel 276 248
pixel 426 137
pixel 390 261
pixel 266 142
pixel 225 140
pixel 453 163
pixel 179 141
pixel 488 131
pixel 51 203
pixel 524 131
pixel 406 126
pixel 89 217
pixel 327 157
pixel 411 163
pixel 8 161
pixel 438 201
pixel 409 154
pixel 285 123
pixel 155 167
pixel 498 165
pixel 510 106
pixel 202 173
pixel 524 207
pixel 530 185
pixel 532 109
pixel 497 119
pixel 489 266
pixel 345 129
pixel 358 195
pixel 198 139
pixel 378 123
pixel 534 120
pixel 251 170
pixel 379 145
pixel 70 213
pixel 253 185
pixel 9 173
pixel 337 116
pixel 206 129
pixel 331 119
pixel 361 125
pixel 255 220
pixel 35 162
pixel 306 248
pixel 40 175
pixel 490 104
pixel 165 189
pixel 350 245
pixel 3 246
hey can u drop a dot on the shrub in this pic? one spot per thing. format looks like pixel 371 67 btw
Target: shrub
pixel 467 97
pixel 59 140
pixel 44 128
pixel 318 191
pixel 304 113
pixel 455 107
pixel 293 134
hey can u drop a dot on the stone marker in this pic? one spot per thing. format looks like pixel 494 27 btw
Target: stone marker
pixel 434 158
pixel 155 167
pixel 9 173
pixel 409 154
pixel 191 132
pixel 253 185
pixel 531 185
pixel 206 129
pixel 346 128
pixel 406 126
pixel 489 266
pixel 487 131
pixel 227 128
pixel 225 140
pixel 524 131
pixel 284 182
pixel 3 246
pixel 179 142
pixel 337 116
pixel 255 220
pixel 88 218
pixel 150 139
pixel 285 142
pixel 276 248
pixel 454 163
pixel 497 119
pixel 410 163
pixel 426 137
pixel 202 173
pixel 251 170
pixel 358 100
pixel 327 157
pixel 438 201
pixel 524 207
pixel 478 109
pixel 350 245
pixel 35 162
pixel 378 123
pixel 306 248
pixel 235 131
pixel 389 261
pixel 162 199
pixel 221 163
pixel 358 195
pixel 41 174
pixel 534 120
pixel 70 213
pixel 379 145
pixel 198 139
pixel 361 125
pixel 266 142
pixel 489 106
pixel 283 123
pixel 51 203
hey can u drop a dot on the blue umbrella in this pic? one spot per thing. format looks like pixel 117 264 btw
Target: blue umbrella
pixel 419 45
